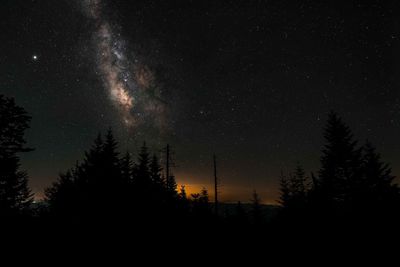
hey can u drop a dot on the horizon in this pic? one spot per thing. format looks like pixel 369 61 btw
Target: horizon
pixel 251 82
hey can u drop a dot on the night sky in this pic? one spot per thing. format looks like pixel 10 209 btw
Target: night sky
pixel 252 81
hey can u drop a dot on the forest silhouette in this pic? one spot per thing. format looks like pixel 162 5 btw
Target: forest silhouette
pixel 110 190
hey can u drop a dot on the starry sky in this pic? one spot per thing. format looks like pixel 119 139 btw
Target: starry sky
pixel 252 81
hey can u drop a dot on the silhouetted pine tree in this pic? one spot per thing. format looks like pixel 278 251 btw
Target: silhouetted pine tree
pixel 299 183
pixel 204 198
pixel 294 195
pixel 299 188
pixel 379 191
pixel 143 186
pixel 92 183
pixel 285 195
pixel 15 196
pixel 158 189
pixel 142 179
pixel 201 205
pixel 14 121
pixel 95 188
pixel 340 171
pixel 113 188
pixel 91 173
pixel 63 198
pixel 155 174
pixel 171 185
pixel 256 209
pixel 112 170
pixel 183 201
pixel 182 193
pixel 127 168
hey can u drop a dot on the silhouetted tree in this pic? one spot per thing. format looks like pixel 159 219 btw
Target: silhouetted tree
pixel 171 185
pixel 155 174
pixel 142 183
pixel 63 198
pixel 95 188
pixel 142 179
pixel 284 198
pixel 378 190
pixel 182 193
pixel 183 201
pixel 113 184
pixel 294 194
pixel 15 195
pixel 299 183
pixel 158 188
pixel 127 168
pixel 298 188
pixel 340 170
pixel 14 120
pixel 204 198
pixel 201 204
pixel 256 209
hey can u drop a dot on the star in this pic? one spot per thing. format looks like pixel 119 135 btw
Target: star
pixel 35 58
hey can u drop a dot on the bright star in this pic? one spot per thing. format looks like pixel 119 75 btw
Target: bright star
pixel 35 57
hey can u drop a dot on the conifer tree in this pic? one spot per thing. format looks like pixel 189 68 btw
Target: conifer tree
pixel 340 168
pixel 127 168
pixel 256 209
pixel 155 173
pixel 285 193
pixel 379 189
pixel 15 195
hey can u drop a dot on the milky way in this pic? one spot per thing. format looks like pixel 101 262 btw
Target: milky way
pixel 130 83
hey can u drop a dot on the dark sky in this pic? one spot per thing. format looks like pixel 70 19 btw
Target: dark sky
pixel 252 81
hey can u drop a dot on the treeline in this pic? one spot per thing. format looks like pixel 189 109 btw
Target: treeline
pixel 352 185
pixel 107 188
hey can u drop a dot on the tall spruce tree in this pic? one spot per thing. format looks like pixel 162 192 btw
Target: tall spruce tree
pixel 142 179
pixel 15 195
pixel 155 173
pixel 127 164
pixel 94 188
pixel 62 196
pixel 379 188
pixel 285 194
pixel 340 171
